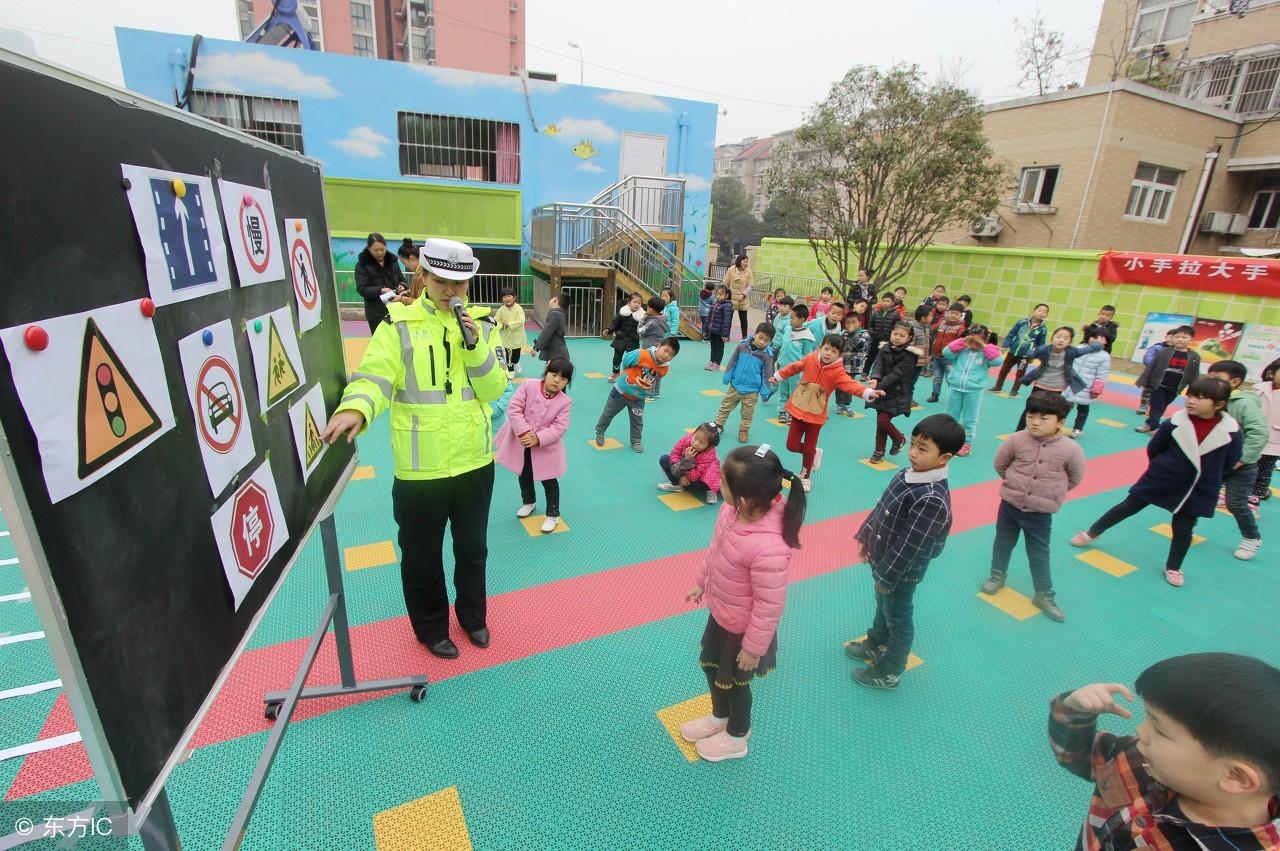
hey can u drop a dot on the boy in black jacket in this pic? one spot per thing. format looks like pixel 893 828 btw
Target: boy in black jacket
pixel 624 331
pixel 1173 369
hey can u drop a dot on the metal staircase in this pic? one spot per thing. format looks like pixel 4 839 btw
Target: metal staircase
pixel 614 233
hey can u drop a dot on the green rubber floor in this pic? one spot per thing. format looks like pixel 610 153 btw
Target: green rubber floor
pixel 563 749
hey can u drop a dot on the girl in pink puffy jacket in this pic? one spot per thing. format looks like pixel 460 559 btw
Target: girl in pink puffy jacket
pixel 744 580
pixel 692 464
pixel 530 441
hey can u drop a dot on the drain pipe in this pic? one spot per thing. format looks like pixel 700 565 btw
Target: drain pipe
pixel 1197 203
pixel 1093 166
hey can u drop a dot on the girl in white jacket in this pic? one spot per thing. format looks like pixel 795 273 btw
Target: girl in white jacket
pixel 1093 369
pixel 1269 389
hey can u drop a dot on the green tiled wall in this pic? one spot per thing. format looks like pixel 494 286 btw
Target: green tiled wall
pixel 1006 283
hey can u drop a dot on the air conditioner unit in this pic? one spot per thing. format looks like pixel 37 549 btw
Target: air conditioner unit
pixel 986 226
pixel 1215 222
pixel 1239 224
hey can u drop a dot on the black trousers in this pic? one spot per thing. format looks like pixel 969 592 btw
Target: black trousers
pixel 1082 416
pixel 697 487
pixel 742 321
pixel 732 703
pixel 513 356
pixel 617 359
pixel 527 493
pixel 1010 361
pixel 1183 527
pixel 422 509
pixel 717 347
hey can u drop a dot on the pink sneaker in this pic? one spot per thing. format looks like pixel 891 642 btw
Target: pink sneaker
pixel 964 450
pixel 722 746
pixel 702 728
pixel 1082 539
pixel 1174 578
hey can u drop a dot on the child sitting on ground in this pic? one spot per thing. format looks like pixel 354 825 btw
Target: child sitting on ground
pixel 894 375
pixel 857 343
pixel 625 331
pixel 969 357
pixel 747 375
pixel 1246 409
pixel 530 441
pixel 692 464
pixel 1202 771
pixel 1090 375
pixel 904 532
pixel 1037 468
pixel 1176 481
pixel 641 368
pixel 744 580
pixel 800 342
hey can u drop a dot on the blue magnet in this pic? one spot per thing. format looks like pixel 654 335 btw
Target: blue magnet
pixel 207 336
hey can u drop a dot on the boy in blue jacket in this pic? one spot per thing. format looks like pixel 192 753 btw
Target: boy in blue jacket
pixel 747 375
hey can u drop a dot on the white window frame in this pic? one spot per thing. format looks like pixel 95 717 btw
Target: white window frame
pixel 1273 207
pixel 1040 171
pixel 1150 193
pixel 1161 9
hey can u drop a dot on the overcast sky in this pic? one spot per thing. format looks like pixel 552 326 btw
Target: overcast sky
pixel 763 62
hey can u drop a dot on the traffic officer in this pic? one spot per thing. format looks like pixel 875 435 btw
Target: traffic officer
pixel 439 392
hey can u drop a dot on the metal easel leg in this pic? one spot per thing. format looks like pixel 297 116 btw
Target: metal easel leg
pixel 158 832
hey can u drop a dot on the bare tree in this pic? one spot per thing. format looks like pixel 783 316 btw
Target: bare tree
pixel 1039 54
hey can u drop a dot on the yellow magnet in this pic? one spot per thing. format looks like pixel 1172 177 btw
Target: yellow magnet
pixel 179 188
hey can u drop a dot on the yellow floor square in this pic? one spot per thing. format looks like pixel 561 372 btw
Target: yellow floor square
pixel 353 349
pixel 1011 603
pixel 362 473
pixel 532 523
pixel 1110 423
pixel 609 443
pixel 594 374
pixel 681 501
pixel 1224 510
pixel 1167 531
pixel 882 465
pixel 853 415
pixel 778 422
pixel 370 555
pixel 913 661
pixel 1106 563
pixel 1003 436
pixel 435 821
pixel 711 392
pixel 1275 491
pixel 673 716
pixel 1121 378
pixel 690 430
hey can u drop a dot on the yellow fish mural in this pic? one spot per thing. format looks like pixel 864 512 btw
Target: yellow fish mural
pixel 584 150
pixel 551 130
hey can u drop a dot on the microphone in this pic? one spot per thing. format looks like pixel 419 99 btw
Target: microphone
pixel 468 336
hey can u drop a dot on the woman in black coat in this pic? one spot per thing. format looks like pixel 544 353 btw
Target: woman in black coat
pixel 377 272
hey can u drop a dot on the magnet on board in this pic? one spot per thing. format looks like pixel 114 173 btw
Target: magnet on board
pixel 257 326
pixel 126 183
pixel 297 225
pixel 247 200
pixel 148 307
pixel 207 336
pixel 179 188
pixel 36 338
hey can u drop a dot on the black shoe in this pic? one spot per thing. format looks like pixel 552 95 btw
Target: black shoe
pixel 1044 602
pixel 479 637
pixel 444 648
pixel 876 457
pixel 993 584
pixel 931 399
pixel 897 446
pixel 862 650
pixel 868 677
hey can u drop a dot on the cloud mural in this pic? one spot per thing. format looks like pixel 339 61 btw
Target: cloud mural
pixel 635 101
pixel 363 142
pixel 590 167
pixel 457 79
pixel 695 182
pixel 574 130
pixel 237 72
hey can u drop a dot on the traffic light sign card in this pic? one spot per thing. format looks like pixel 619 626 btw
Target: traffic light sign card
pixel 277 363
pixel 307 417
pixel 215 391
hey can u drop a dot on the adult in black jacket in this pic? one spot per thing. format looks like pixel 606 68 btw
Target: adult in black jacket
pixel 377 272
pixel 550 343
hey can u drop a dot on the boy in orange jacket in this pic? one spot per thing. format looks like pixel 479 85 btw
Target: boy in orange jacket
pixel 821 372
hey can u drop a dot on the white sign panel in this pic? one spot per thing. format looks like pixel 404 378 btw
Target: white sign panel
pixel 302 270
pixel 249 528
pixel 211 374
pixel 307 416
pixel 1154 329
pixel 252 233
pixel 277 363
pixel 1258 348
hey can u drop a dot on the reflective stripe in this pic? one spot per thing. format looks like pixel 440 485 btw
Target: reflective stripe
pixel 378 381
pixel 468 394
pixel 413 444
pixel 423 397
pixel 406 355
pixel 352 397
pixel 484 368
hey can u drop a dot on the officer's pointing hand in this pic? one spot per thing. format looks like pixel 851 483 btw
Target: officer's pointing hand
pixel 344 422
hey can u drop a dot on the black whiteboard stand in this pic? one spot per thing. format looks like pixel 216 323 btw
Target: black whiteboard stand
pixel 281 704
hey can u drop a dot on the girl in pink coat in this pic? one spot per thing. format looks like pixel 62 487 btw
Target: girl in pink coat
pixel 744 580
pixel 529 442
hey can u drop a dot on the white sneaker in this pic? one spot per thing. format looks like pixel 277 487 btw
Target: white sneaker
pixel 525 510
pixel 807 484
pixel 667 487
pixel 817 461
pixel 712 497
pixel 519 369
pixel 1248 548
pixel 549 525
pixel 721 746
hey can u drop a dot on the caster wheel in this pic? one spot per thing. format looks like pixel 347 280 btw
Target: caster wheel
pixel 417 693
pixel 272 712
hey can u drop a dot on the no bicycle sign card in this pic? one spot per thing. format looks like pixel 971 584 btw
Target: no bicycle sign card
pixel 211 374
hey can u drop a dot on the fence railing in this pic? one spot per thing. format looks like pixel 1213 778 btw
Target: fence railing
pixel 651 201
pixel 485 288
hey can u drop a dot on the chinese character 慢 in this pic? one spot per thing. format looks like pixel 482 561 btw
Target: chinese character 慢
pixel 252 528
pixel 1220 270
pixel 1161 264
pixel 1189 267
pixel 1134 263
pixel 1254 271
pixel 253 225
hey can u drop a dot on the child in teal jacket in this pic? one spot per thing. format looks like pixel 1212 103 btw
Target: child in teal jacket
pixel 970 358
pixel 799 343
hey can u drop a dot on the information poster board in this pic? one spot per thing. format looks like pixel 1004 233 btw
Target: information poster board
pixel 1154 329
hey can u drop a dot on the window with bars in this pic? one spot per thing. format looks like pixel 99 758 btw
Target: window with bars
pixel 1258 86
pixel 1265 214
pixel 1037 184
pixel 460 148
pixel 273 120
pixel 362 45
pixel 1160 21
pixel 1151 193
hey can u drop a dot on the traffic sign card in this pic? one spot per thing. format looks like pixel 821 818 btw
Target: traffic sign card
pixel 252 233
pixel 249 528
pixel 277 363
pixel 93 388
pixel 219 404
pixel 307 416
pixel 302 271
pixel 176 216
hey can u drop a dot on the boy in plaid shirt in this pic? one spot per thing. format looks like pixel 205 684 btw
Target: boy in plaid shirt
pixel 1203 771
pixel 907 529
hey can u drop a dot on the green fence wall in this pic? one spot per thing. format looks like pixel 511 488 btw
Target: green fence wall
pixel 1006 283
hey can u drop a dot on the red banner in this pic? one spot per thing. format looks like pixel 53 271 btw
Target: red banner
pixel 1235 275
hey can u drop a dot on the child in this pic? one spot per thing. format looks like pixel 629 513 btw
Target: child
pixel 1054 373
pixel 823 304
pixel 719 326
pixel 1173 370
pixel 857 342
pixel 550 343
pixel 529 442
pixel 1090 373
pixel 782 324
pixel 821 372
pixel 744 579
pixel 1246 409
pixel 1201 772
pixel 895 376
pixel 920 336
pixel 946 332
pixel 940 306
pixel 1023 338
pixel 641 368
pixel 939 292
pixel 653 328
pixel 800 342
pixel 671 310
pixel 904 532
pixel 900 301
pixel 832 322
pixel 1186 486
pixel 965 301
pixel 747 375
pixel 772 308
pixel 1037 468
pixel 880 325
pixel 968 360
pixel 1267 391
pixel 692 464
pixel 859 308
pixel 510 319
pixel 706 298
pixel 625 331
pixel 1105 322
pixel 1147 357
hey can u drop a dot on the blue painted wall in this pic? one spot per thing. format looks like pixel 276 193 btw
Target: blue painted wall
pixel 349 104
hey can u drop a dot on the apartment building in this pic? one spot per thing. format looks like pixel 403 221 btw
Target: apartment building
pixel 472 35
pixel 1171 144
pixel 748 162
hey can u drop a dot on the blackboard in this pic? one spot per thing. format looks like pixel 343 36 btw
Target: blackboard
pixel 131 559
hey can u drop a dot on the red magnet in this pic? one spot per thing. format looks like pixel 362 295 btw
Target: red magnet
pixel 36 338
pixel 297 225
pixel 148 307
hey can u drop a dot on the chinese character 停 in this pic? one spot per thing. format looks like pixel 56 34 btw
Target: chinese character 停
pixel 252 528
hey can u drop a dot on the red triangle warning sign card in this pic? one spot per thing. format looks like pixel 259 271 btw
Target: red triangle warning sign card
pixel 113 416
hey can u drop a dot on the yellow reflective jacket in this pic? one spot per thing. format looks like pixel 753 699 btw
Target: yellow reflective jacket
pixel 438 392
